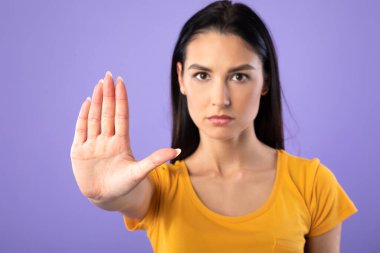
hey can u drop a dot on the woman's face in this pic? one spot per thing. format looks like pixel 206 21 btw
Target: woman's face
pixel 222 75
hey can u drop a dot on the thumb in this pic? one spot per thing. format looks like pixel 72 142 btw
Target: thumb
pixel 157 158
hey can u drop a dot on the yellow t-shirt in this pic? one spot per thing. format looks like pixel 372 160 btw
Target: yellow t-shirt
pixel 306 201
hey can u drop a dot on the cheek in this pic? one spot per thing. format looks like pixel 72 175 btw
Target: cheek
pixel 197 101
pixel 196 104
pixel 246 105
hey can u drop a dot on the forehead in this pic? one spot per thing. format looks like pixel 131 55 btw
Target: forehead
pixel 225 49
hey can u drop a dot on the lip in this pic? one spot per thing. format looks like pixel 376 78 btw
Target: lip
pixel 220 120
pixel 220 117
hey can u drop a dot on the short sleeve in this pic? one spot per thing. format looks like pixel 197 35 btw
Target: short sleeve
pixel 329 205
pixel 148 221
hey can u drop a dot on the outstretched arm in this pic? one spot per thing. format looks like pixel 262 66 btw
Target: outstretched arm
pixel 328 242
pixel 103 163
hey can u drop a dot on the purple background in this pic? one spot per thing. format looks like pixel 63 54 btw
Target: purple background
pixel 53 52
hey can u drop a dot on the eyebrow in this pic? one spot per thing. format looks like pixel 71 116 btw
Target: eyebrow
pixel 241 67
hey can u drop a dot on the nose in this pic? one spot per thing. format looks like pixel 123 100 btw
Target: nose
pixel 220 95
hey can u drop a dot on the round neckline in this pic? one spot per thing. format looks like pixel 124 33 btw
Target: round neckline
pixel 263 208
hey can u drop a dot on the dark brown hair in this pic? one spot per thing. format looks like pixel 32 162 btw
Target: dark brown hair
pixel 238 19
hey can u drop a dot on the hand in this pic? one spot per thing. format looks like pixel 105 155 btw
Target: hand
pixel 102 160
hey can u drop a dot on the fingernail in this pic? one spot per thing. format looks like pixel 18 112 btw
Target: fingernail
pixel 88 98
pixel 178 151
pixel 101 81
pixel 109 73
pixel 119 78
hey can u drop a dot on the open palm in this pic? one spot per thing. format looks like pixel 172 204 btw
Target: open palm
pixel 102 160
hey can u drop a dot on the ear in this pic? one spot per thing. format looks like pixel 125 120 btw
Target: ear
pixel 180 78
pixel 265 89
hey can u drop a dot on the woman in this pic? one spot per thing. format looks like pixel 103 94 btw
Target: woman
pixel 233 188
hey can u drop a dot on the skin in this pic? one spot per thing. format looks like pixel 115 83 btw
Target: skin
pixel 227 149
pixel 328 242
pixel 101 155
pixel 231 151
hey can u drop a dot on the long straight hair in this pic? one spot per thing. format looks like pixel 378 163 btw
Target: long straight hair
pixel 237 19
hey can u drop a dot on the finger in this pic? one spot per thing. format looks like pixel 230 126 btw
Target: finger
pixel 80 135
pixel 108 106
pixel 95 111
pixel 156 159
pixel 122 110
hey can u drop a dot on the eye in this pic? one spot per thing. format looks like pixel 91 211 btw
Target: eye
pixel 241 77
pixel 201 75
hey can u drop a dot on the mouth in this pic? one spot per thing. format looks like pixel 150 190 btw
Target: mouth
pixel 220 120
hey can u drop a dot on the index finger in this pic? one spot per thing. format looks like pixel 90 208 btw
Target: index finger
pixel 121 110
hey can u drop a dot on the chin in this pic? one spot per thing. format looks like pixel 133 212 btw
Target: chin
pixel 219 133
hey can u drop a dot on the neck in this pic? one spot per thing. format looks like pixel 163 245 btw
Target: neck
pixel 226 157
